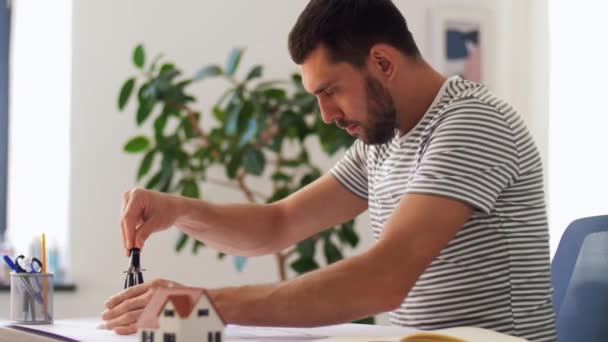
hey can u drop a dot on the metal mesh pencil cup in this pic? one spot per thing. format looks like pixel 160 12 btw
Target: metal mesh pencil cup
pixel 31 298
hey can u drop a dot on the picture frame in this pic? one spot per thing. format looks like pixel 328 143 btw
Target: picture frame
pixel 462 41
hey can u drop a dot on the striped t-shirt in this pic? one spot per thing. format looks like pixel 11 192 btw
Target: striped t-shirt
pixel 472 147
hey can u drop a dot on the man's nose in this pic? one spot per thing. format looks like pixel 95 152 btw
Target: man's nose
pixel 329 112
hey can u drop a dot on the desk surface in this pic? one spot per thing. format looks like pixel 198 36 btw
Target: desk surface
pixel 86 330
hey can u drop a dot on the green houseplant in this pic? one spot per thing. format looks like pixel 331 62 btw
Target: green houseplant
pixel 260 130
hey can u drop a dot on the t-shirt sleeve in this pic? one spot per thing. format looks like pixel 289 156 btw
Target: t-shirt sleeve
pixel 469 155
pixel 351 170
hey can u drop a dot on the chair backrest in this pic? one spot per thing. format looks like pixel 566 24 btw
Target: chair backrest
pixel 579 273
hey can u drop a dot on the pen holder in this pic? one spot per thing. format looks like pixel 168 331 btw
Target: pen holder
pixel 31 298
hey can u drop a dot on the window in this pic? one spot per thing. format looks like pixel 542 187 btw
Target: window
pixel 169 337
pixel 147 336
pixel 5 27
pixel 203 312
pixel 214 337
pixel 39 123
pixel 169 313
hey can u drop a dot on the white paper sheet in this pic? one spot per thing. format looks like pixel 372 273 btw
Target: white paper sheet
pixel 86 330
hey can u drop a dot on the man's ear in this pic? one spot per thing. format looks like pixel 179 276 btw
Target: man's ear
pixel 382 60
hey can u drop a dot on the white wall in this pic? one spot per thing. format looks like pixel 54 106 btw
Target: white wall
pixel 579 118
pixel 196 33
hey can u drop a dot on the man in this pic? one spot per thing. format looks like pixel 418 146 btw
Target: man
pixel 449 173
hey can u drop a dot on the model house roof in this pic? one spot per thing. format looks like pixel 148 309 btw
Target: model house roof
pixel 183 299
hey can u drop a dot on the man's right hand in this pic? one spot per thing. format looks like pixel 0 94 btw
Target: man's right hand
pixel 145 212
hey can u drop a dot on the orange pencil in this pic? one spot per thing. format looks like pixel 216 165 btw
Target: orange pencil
pixel 44 280
pixel 43 252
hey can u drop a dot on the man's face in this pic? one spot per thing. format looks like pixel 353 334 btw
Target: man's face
pixel 353 99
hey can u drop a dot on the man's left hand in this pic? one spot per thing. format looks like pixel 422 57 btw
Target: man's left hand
pixel 123 309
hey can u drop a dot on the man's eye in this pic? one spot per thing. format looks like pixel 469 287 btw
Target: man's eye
pixel 330 91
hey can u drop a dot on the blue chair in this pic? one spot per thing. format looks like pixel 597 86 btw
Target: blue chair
pixel 580 281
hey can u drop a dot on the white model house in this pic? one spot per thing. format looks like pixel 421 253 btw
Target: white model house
pixel 180 315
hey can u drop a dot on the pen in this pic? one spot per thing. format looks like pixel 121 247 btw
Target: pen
pixel 10 263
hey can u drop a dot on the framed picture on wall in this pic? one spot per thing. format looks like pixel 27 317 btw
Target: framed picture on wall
pixel 462 42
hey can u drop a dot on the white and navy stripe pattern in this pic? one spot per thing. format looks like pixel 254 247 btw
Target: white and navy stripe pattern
pixel 472 147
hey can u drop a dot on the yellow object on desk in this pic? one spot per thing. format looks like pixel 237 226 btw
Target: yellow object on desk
pixel 44 284
pixel 43 252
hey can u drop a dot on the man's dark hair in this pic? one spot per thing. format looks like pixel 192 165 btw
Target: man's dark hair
pixel 348 29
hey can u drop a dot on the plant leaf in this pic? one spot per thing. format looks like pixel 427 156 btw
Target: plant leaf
pixel 347 234
pixel 250 132
pixel 279 194
pixel 181 242
pixel 155 61
pixel 254 162
pixel 208 71
pixel 306 248
pixel 145 165
pixel 239 263
pixel 332 253
pixel 310 177
pixel 153 182
pixel 139 56
pixel 304 264
pixel 275 93
pixel 255 72
pixel 125 92
pixel 234 165
pixel 280 176
pixel 196 245
pixel 367 320
pixel 232 120
pixel 159 125
pixel 144 110
pixel 190 189
pixel 137 144
pixel 268 84
pixel 233 60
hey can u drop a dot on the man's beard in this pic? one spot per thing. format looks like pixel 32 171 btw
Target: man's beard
pixel 382 116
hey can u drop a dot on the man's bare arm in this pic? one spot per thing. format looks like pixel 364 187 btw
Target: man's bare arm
pixel 364 285
pixel 242 229
pixel 357 287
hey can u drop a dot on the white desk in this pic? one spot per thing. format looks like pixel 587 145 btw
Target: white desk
pixel 86 330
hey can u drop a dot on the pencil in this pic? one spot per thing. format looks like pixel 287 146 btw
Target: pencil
pixel 45 279
pixel 43 252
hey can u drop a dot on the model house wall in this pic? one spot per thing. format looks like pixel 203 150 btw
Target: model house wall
pixel 174 315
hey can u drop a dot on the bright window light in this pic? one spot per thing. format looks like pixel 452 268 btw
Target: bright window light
pixel 39 122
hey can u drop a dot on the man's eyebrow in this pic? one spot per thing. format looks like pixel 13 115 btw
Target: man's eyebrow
pixel 322 87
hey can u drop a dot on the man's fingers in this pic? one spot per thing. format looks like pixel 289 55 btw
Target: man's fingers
pixel 128 330
pixel 125 200
pixel 126 307
pixel 124 320
pixel 130 217
pixel 126 294
pixel 143 232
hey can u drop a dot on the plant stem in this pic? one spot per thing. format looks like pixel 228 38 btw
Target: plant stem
pixel 240 179
pixel 194 122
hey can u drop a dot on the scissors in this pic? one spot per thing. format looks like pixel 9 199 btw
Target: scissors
pixel 25 265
